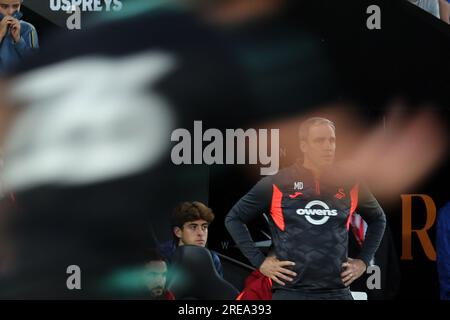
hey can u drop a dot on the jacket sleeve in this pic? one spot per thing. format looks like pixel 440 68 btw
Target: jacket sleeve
pixel 254 203
pixel 372 213
pixel 28 43
pixel 217 264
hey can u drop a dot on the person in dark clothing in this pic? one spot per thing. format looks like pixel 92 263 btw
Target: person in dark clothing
pixel 156 269
pixel 190 222
pixel 310 208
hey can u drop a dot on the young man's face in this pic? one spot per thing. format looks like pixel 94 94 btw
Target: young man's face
pixel 193 233
pixel 320 146
pixel 8 7
pixel 157 274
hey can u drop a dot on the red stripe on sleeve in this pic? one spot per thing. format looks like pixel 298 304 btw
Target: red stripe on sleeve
pixel 353 203
pixel 276 211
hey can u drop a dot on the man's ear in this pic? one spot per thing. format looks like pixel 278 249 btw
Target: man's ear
pixel 178 232
pixel 303 146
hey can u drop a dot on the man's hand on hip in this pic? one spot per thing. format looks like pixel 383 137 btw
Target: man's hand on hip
pixel 277 271
pixel 353 269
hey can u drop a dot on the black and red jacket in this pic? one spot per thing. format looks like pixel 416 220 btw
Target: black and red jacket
pixel 309 221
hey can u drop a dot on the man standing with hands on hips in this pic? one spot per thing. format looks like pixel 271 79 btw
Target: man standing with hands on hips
pixel 310 204
pixel 18 39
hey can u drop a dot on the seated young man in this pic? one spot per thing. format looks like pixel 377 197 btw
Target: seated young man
pixel 190 222
pixel 18 38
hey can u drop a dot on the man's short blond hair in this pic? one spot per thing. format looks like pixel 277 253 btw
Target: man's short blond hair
pixel 314 121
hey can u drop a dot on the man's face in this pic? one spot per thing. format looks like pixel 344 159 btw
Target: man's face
pixel 157 274
pixel 193 233
pixel 8 7
pixel 320 146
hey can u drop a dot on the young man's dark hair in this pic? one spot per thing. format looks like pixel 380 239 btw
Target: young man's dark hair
pixel 190 222
pixel 190 211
